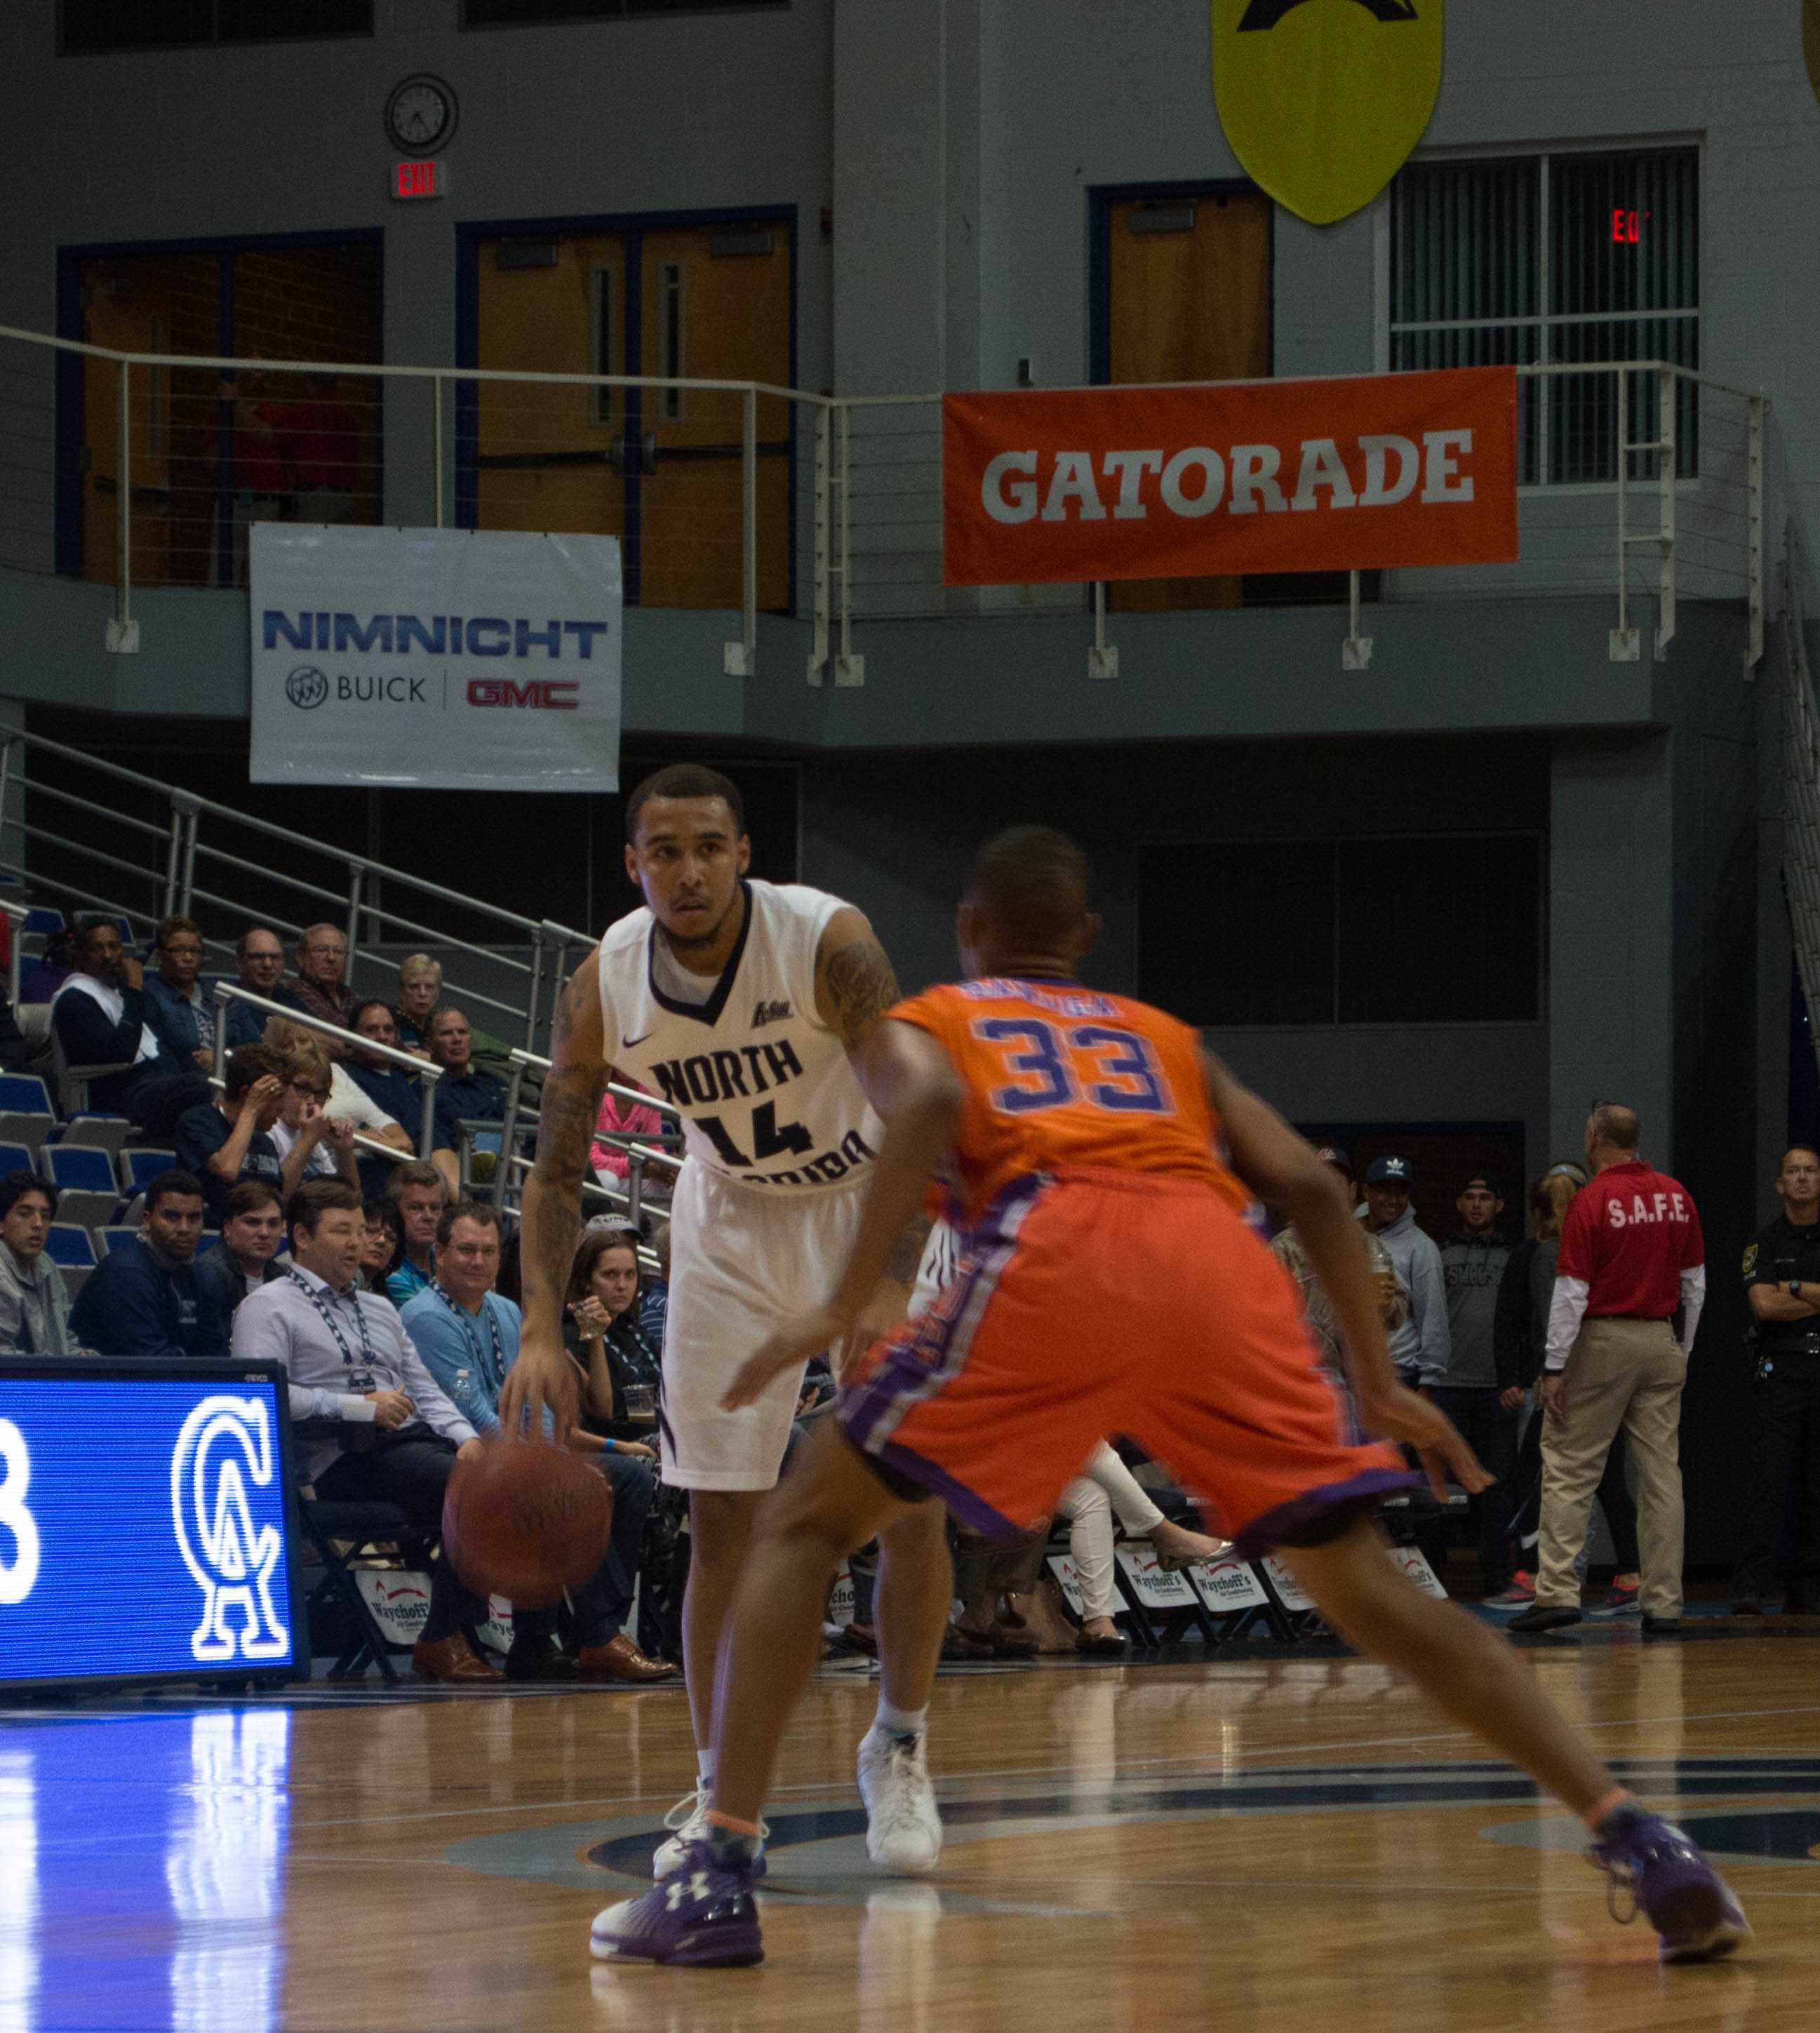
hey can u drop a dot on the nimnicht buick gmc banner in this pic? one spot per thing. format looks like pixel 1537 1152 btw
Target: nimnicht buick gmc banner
pixel 450 659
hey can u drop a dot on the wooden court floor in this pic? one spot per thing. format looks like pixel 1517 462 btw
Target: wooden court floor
pixel 1291 1843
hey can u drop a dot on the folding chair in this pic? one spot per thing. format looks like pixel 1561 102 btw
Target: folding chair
pixel 87 1190
pixel 140 1164
pixel 364 1527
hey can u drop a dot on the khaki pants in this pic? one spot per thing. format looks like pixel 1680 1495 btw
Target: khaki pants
pixel 1628 1373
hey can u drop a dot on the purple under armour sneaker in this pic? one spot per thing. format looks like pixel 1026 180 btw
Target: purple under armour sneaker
pixel 702 1916
pixel 1686 1900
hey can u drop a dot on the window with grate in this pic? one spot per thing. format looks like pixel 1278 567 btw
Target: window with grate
pixel 1557 261
pixel 534 13
pixel 1433 929
pixel 97 26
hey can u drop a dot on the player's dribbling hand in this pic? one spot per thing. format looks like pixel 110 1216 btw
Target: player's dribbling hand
pixel 542 1381
pixel 806 1335
pixel 1416 1422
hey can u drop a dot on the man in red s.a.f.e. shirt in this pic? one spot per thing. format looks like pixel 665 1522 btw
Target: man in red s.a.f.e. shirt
pixel 1631 1256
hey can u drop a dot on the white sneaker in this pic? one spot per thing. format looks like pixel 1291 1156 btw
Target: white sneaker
pixel 689 1817
pixel 903 1825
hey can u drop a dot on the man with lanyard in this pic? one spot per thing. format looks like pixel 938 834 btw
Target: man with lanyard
pixel 468 1337
pixel 1782 1283
pixel 372 1424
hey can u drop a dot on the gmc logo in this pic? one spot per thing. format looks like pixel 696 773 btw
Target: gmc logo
pixel 542 694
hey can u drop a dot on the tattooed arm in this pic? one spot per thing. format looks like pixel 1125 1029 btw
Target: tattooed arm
pixel 550 1224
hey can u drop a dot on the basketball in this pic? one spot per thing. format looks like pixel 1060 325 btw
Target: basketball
pixel 526 1519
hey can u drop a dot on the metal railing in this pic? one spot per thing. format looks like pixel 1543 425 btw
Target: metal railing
pixel 425 1071
pixel 497 448
pixel 187 838
pixel 509 1176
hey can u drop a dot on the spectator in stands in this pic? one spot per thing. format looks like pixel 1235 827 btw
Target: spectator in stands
pixel 320 988
pixel 611 1162
pixel 417 1190
pixel 303 1123
pixel 1394 1306
pixel 184 1016
pixel 101 1017
pixel 1105 1487
pixel 374 1427
pixel 321 445
pixel 348 1102
pixel 464 1093
pixel 1419 1347
pixel 419 991
pixel 391 1088
pixel 260 957
pixel 381 1243
pixel 34 1303
pixel 654 1288
pixel 252 1235
pixel 144 1298
pixel 228 1140
pixel 468 1337
pixel 1481 1400
pixel 601 1329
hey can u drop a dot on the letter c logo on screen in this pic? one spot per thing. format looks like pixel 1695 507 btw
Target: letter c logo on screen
pixel 224 1442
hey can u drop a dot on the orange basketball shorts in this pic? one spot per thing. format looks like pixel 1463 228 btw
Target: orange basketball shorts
pixel 1111 1302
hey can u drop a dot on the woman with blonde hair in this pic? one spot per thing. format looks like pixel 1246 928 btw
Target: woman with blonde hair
pixel 419 991
pixel 1522 1334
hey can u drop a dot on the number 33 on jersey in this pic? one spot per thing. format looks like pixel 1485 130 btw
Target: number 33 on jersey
pixel 1060 1078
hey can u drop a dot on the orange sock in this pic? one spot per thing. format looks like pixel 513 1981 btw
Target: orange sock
pixel 716 1820
pixel 1595 1814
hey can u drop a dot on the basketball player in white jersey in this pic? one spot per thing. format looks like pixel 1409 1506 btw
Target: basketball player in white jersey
pixel 742 1003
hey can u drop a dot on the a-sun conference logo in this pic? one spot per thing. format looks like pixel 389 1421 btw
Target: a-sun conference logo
pixel 306 687
pixel 224 1442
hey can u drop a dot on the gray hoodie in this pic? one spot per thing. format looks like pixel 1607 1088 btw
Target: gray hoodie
pixel 37 1297
pixel 1422 1343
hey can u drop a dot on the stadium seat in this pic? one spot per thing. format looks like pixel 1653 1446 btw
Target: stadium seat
pixel 71 1247
pixel 87 1193
pixel 141 1164
pixel 26 1117
pixel 98 1133
pixel 16 1158
pixel 73 1081
pixel 75 1277
pixel 110 1238
pixel 38 981
pixel 42 919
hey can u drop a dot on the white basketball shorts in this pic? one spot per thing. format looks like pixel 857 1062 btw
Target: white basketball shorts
pixel 741 1266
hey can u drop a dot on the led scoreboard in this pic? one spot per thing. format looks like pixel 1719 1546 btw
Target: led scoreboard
pixel 145 1522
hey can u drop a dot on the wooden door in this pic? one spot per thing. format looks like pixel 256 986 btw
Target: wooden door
pixel 1191 302
pixel 547 456
pixel 715 304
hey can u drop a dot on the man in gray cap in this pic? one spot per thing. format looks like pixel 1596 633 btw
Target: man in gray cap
pixel 1421 1347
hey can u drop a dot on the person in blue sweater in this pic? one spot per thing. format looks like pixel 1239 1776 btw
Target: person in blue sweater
pixel 143 1299
pixel 467 1335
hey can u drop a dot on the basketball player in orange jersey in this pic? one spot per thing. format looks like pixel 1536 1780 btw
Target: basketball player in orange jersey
pixel 1109 1280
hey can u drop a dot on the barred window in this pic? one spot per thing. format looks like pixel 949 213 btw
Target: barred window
pixel 1555 260
pixel 97 26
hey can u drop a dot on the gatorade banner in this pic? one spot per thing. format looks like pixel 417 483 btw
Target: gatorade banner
pixel 1339 475
pixel 1323 99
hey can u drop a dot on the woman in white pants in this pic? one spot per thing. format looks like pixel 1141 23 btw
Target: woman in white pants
pixel 1106 1486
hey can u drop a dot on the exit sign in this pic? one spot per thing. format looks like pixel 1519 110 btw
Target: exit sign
pixel 428 179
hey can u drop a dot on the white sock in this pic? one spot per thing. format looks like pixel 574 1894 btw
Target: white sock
pixel 901 1722
pixel 704 1768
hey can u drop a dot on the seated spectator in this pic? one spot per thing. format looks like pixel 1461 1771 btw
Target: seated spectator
pixel 1106 1486
pixel 348 1102
pixel 391 1088
pixel 419 991
pixel 102 1017
pixel 252 1235
pixel 320 988
pixel 304 1125
pixel 381 1243
pixel 464 1093
pixel 226 1140
pixel 624 1367
pixel 143 1298
pixel 185 1015
pixel 418 1192
pixel 34 1305
pixel 611 1162
pixel 372 1425
pixel 654 1288
pixel 260 955
pixel 468 1337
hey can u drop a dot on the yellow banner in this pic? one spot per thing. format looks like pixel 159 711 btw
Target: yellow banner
pixel 1323 99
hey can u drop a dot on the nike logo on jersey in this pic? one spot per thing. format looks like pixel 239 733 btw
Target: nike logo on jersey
pixel 707 1078
pixel 626 1044
pixel 768 1012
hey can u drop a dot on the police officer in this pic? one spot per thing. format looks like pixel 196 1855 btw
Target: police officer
pixel 1782 1282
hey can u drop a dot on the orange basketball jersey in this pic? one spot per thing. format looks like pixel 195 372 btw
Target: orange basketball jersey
pixel 1060 1078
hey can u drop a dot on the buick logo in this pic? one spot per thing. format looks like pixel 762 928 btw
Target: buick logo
pixel 306 687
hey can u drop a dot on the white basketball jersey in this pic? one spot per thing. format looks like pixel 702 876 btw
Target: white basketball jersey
pixel 768 1097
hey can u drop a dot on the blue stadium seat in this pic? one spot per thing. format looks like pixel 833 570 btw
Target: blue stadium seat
pixel 23 1094
pixel 38 982
pixel 111 1238
pixel 140 1164
pixel 16 1157
pixel 86 1191
pixel 66 1243
pixel 102 1132
pixel 41 917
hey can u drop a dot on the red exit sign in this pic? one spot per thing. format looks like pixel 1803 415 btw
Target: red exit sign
pixel 1627 228
pixel 428 179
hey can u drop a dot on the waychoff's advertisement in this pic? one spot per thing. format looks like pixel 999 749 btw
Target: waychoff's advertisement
pixel 459 660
